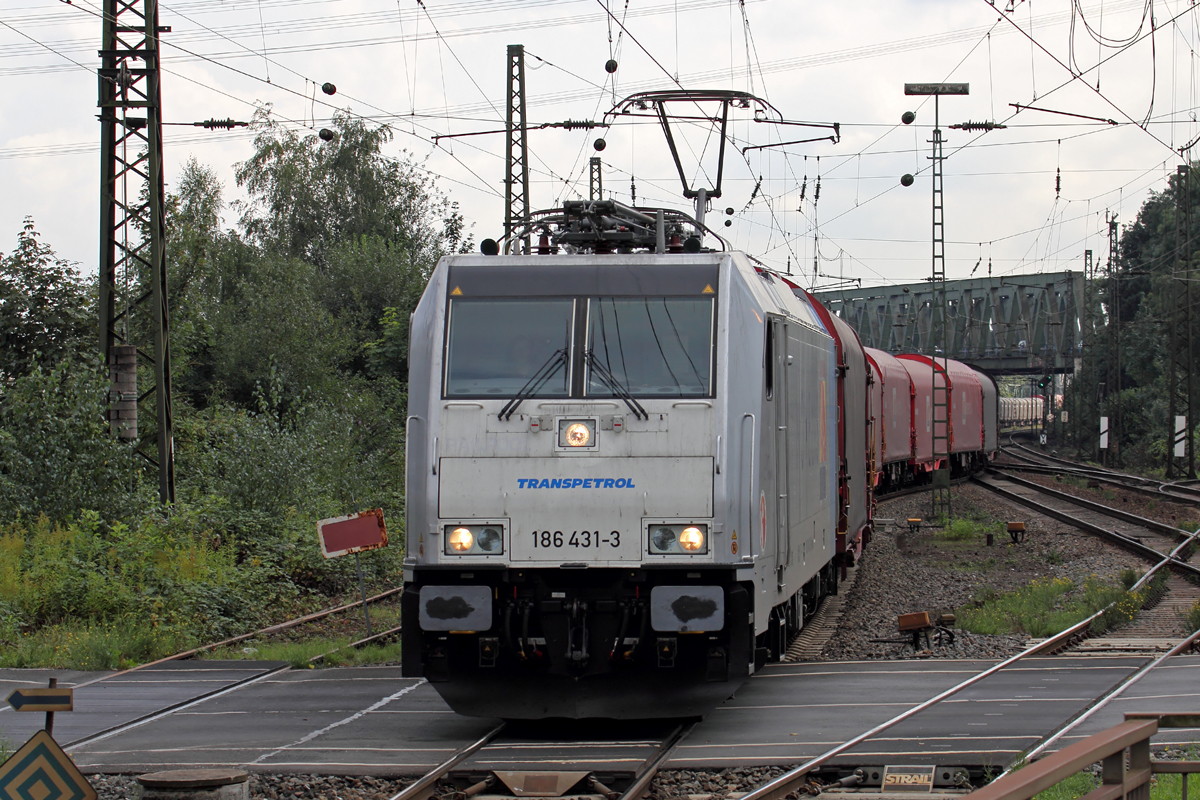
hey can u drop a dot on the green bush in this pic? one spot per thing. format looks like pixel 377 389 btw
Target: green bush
pixel 57 456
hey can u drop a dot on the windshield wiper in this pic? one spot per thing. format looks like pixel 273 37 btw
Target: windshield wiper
pixel 557 361
pixel 615 386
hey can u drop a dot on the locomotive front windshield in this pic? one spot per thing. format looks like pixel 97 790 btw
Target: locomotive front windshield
pixel 496 346
pixel 626 346
pixel 653 347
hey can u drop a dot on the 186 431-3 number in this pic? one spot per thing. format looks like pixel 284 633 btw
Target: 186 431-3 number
pixel 575 539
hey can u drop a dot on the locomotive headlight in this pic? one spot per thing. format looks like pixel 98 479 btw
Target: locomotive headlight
pixel 460 540
pixel 691 539
pixel 678 539
pixel 483 539
pixel 576 433
pixel 662 540
pixel 489 540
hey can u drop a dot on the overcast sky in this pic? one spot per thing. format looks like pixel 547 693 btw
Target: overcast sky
pixel 438 66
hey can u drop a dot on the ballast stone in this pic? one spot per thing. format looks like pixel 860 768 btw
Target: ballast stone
pixel 195 784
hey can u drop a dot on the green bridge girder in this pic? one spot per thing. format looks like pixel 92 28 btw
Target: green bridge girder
pixel 1015 324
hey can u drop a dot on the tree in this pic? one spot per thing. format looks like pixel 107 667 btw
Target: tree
pixel 307 196
pixel 47 312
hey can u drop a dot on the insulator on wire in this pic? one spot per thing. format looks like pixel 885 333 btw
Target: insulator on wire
pixel 1057 181
pixel 220 124
pixel 987 125
pixel 575 124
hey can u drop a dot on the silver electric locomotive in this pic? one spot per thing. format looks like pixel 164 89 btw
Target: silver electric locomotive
pixel 622 480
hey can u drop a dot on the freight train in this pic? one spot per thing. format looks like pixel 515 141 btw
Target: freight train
pixel 635 467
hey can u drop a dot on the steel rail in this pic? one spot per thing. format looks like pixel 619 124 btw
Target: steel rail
pixel 781 787
pixel 1159 527
pixel 1184 490
pixel 1116 692
pixel 423 787
pixel 650 768
pixel 1133 545
pixel 171 709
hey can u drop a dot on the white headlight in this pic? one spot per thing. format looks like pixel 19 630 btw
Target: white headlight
pixel 578 434
pixel 691 539
pixel 461 540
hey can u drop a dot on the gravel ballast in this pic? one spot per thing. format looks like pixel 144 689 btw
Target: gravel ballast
pixel 903 572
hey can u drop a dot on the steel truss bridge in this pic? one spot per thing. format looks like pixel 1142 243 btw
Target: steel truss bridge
pixel 1020 324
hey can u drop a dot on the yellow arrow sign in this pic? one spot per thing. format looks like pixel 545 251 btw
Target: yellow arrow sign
pixel 41 769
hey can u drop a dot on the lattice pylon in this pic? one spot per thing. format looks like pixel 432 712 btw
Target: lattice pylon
pixel 133 267
pixel 937 345
pixel 516 173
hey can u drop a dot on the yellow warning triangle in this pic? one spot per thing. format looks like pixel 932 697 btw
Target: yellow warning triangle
pixel 735 536
pixel 708 289
pixel 457 291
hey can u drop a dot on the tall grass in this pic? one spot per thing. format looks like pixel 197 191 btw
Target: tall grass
pixel 1048 606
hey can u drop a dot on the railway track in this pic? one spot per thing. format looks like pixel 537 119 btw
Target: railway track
pixel 1157 626
pixel 822 775
pixel 565 760
pixel 1035 461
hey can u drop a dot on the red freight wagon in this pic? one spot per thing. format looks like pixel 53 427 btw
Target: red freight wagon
pixel 921 375
pixel 966 403
pixel 856 494
pixel 892 409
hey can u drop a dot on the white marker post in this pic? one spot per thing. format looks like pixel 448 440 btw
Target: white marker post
pixel 1104 433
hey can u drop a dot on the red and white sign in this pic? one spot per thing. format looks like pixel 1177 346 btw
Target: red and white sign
pixel 355 533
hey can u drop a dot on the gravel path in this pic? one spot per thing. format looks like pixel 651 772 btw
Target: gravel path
pixel 903 572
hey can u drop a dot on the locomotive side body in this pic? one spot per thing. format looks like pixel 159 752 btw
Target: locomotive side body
pixel 621 482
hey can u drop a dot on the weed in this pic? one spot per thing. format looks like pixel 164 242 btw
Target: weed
pixel 959 530
pixel 1054 557
pixel 1191 617
pixel 1190 526
pixel 1048 606
pixel 1129 576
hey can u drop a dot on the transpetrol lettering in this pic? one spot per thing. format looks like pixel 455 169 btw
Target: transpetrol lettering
pixel 575 483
